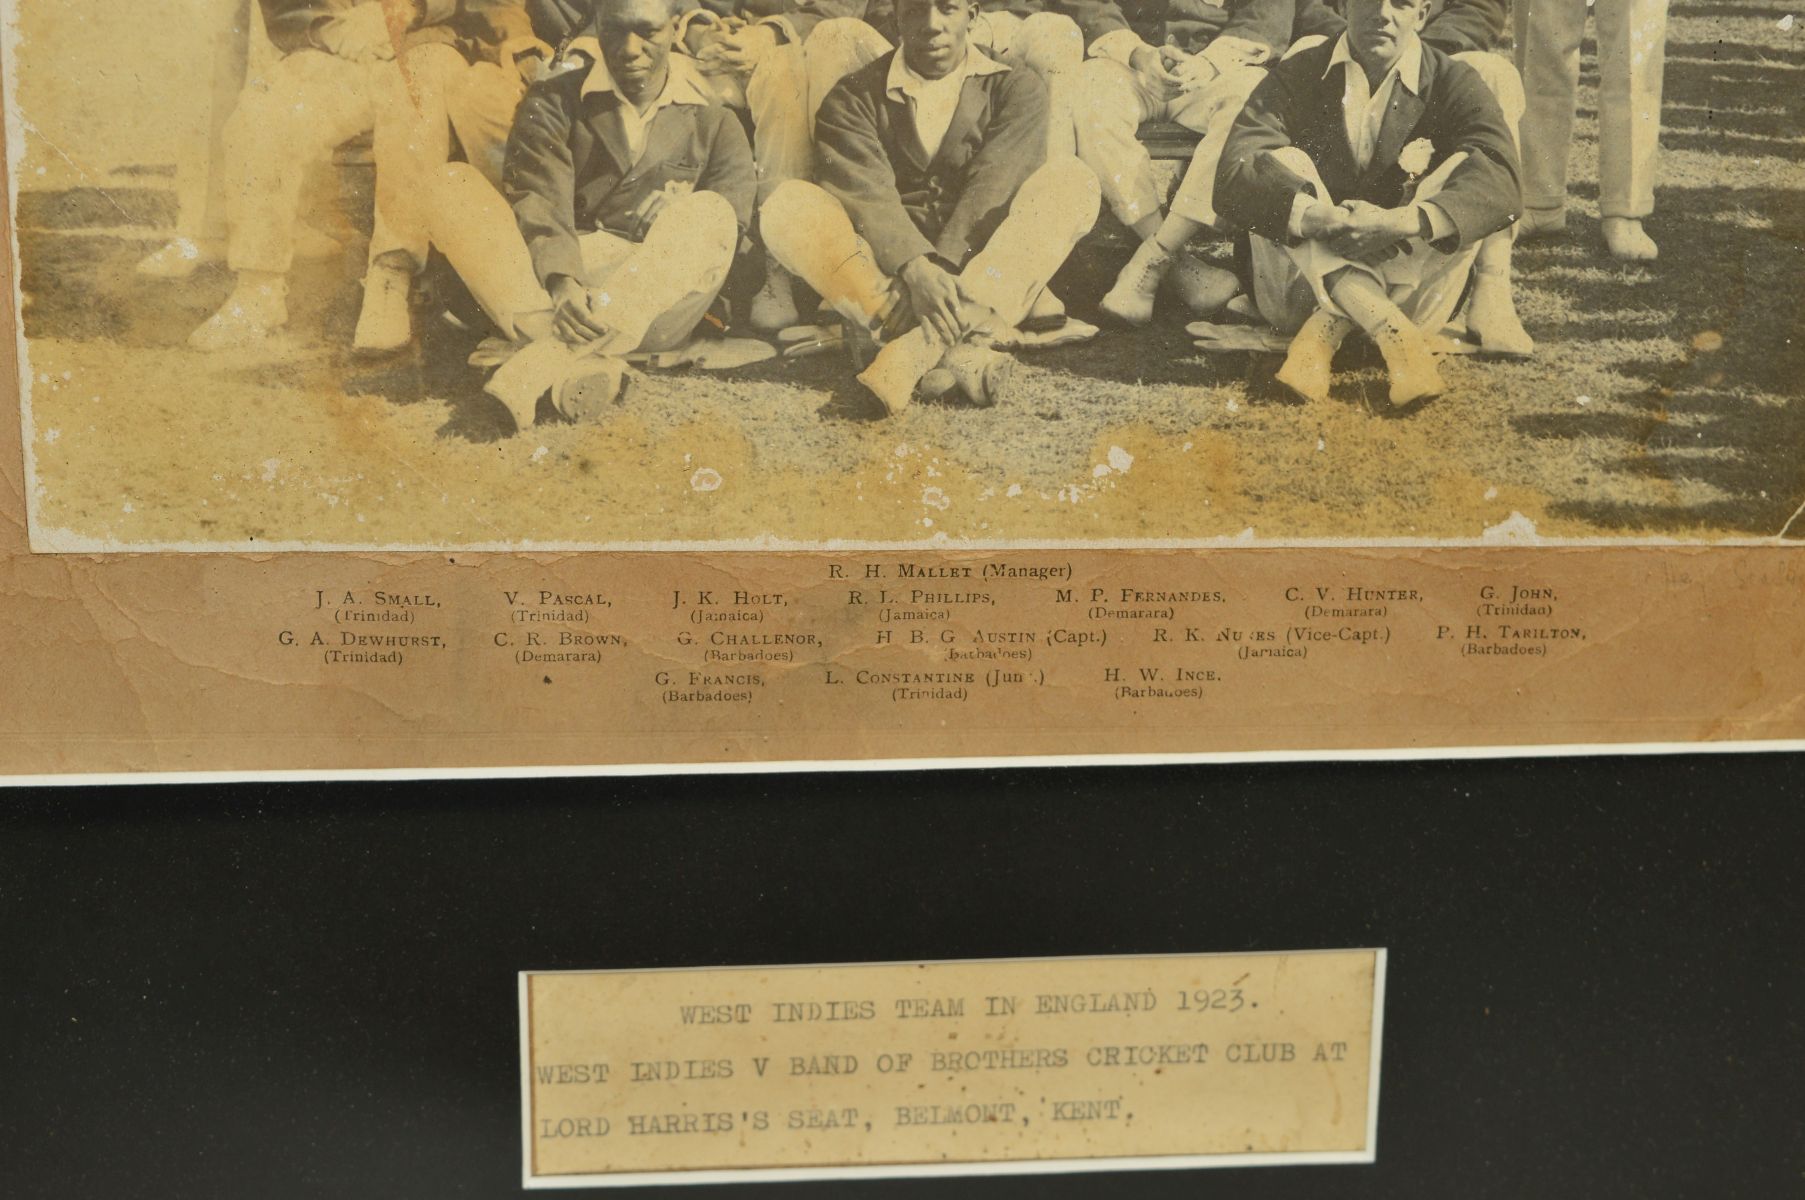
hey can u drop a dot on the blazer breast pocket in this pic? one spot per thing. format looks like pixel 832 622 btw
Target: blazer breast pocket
pixel 682 169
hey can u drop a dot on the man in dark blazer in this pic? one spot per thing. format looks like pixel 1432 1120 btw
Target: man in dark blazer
pixel 778 59
pixel 347 69
pixel 1184 61
pixel 1473 32
pixel 628 189
pixel 1367 172
pixel 937 213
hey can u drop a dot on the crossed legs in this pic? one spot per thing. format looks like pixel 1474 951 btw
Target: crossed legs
pixel 651 294
pixel 1323 297
pixel 810 233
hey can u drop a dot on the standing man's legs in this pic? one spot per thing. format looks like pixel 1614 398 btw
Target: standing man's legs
pixel 1548 34
pixel 238 50
pixel 1632 51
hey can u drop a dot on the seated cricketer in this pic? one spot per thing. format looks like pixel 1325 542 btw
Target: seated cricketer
pixel 937 215
pixel 630 186
pixel 780 67
pixel 1193 62
pixel 338 78
pixel 1470 31
pixel 1041 36
pixel 776 61
pixel 1473 32
pixel 1368 171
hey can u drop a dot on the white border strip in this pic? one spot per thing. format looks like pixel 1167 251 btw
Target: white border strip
pixel 973 763
pixel 1044 1166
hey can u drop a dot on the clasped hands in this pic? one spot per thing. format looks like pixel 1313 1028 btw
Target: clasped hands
pixel 1173 71
pixel 362 34
pixel 1361 232
pixel 727 43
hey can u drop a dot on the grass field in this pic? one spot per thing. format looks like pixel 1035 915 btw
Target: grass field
pixel 1665 400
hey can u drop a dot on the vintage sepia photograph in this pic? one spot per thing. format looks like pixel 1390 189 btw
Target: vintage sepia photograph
pixel 547 274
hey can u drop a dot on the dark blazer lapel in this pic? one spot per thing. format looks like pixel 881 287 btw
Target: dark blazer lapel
pixel 903 136
pixel 1401 117
pixel 973 97
pixel 602 115
pixel 1337 165
pixel 666 137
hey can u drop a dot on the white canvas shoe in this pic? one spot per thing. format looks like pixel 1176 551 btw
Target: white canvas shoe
pixel 250 314
pixel 1204 289
pixel 1414 375
pixel 1306 367
pixel 1131 299
pixel 1627 241
pixel 385 324
pixel 180 258
pixel 1492 317
pixel 774 307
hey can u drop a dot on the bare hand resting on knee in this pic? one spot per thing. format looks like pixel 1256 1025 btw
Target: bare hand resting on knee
pixel 576 315
pixel 936 297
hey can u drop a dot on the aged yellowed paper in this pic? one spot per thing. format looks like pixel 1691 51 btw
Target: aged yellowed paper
pixel 329 457
pixel 950 1067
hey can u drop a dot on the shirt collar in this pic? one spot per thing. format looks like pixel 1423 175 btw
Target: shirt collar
pixel 1408 68
pixel 683 84
pixel 903 81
